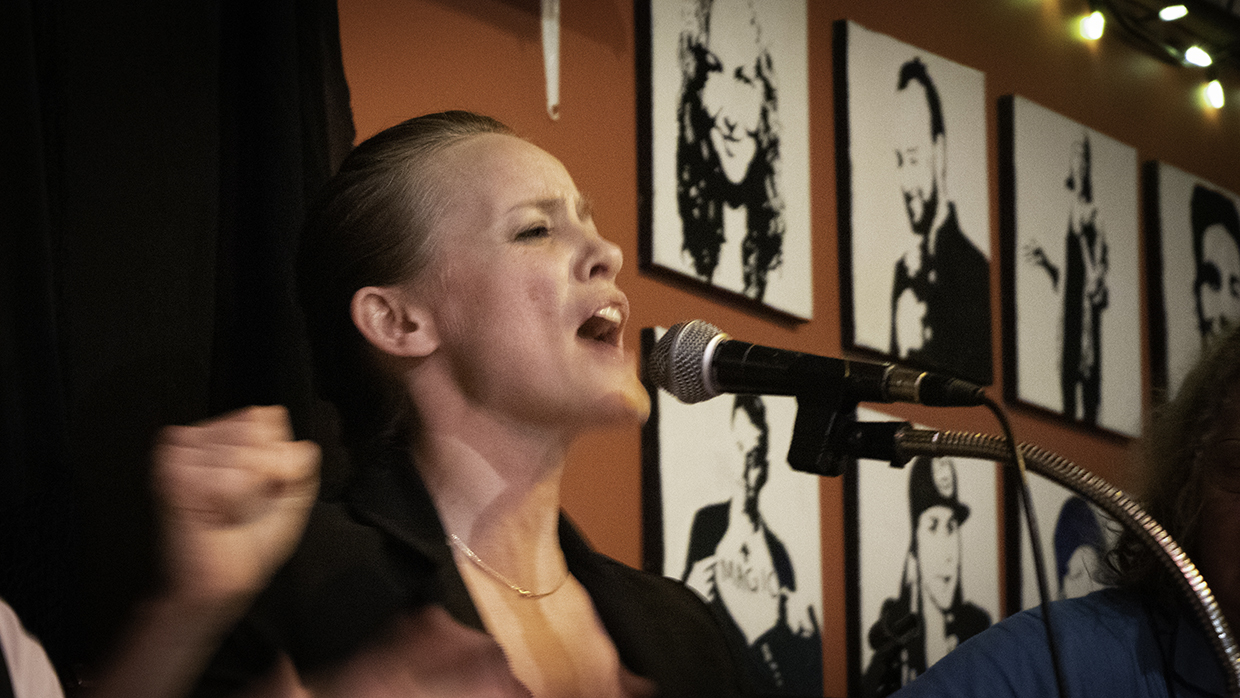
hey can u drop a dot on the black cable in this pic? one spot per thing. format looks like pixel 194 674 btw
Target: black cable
pixel 1035 538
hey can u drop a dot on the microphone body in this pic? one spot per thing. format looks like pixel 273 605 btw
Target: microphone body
pixel 695 361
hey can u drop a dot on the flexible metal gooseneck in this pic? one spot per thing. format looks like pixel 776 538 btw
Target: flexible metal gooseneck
pixel 927 442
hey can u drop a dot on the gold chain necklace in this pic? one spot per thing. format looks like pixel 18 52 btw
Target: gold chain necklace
pixel 459 544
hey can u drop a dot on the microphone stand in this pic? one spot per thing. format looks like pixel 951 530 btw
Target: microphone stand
pixel 826 435
pixel 898 442
pixel 823 419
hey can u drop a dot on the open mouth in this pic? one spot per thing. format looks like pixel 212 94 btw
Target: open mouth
pixel 603 326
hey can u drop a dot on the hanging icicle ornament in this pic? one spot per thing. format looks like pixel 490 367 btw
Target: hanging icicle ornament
pixel 551 55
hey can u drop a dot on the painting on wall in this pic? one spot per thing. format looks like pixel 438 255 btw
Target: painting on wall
pixel 724 162
pixel 914 214
pixel 923 563
pixel 724 513
pixel 1075 538
pixel 1068 201
pixel 1193 269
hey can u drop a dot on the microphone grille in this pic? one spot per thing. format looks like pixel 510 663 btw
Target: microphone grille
pixel 676 361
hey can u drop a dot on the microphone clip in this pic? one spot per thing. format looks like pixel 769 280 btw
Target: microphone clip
pixel 826 436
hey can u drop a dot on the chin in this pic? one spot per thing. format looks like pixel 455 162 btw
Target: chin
pixel 641 412
pixel 632 406
pixel 625 407
pixel 937 597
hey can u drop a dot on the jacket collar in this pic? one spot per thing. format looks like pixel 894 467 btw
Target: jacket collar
pixel 393 499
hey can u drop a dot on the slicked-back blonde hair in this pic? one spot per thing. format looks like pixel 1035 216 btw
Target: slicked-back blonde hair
pixel 370 226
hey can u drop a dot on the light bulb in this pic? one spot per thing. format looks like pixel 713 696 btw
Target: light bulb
pixel 1214 94
pixel 1197 56
pixel 1170 13
pixel 1092 25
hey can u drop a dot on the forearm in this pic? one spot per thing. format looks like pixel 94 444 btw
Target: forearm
pixel 165 648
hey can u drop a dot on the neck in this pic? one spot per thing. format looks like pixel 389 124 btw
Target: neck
pixel 940 217
pixel 498 489
pixel 935 626
pixel 494 477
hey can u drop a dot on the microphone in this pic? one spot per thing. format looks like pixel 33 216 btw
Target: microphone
pixel 695 361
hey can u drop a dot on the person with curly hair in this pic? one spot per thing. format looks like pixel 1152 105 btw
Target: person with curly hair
pixel 1139 638
pixel 727 150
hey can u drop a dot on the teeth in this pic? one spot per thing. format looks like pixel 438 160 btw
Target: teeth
pixel 611 313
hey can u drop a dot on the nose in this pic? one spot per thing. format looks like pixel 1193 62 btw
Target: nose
pixel 602 258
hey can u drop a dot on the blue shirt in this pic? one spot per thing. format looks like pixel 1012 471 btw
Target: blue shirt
pixel 1111 643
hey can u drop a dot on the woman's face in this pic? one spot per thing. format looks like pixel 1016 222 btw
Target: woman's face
pixel 747 438
pixel 524 294
pixel 938 553
pixel 733 94
pixel 1078 579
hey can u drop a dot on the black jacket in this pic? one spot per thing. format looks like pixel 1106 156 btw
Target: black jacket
pixel 954 283
pixel 363 563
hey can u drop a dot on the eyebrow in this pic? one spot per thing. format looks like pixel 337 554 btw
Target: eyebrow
pixel 585 205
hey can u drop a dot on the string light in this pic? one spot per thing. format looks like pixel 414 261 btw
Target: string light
pixel 1170 13
pixel 1192 33
pixel 1197 56
pixel 1214 94
pixel 1092 25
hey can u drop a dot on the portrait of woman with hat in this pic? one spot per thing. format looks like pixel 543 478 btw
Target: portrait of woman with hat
pixel 930 617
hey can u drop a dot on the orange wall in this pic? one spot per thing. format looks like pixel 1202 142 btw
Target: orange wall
pixel 408 57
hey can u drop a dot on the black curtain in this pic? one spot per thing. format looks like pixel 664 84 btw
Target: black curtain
pixel 155 164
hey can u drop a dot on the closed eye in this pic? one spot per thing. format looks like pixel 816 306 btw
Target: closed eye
pixel 533 233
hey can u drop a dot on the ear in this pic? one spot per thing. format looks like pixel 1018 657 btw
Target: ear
pixel 393 322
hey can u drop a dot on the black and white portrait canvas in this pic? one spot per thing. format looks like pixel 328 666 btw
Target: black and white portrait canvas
pixel 1194 269
pixel 914 217
pixel 741 528
pixel 925 559
pixel 727 184
pixel 1069 200
pixel 1075 539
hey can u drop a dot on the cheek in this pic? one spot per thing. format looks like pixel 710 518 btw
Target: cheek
pixel 1217 557
pixel 1233 301
pixel 749 106
pixel 540 292
pixel 1209 297
pixel 455 311
pixel 491 307
pixel 712 94
pixel 534 301
pixel 512 290
pixel 947 547
pixel 910 178
pixel 1220 522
